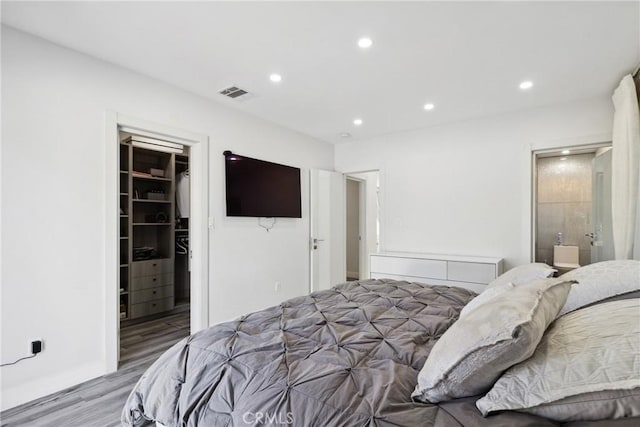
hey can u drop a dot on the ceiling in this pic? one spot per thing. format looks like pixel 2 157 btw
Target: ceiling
pixel 467 58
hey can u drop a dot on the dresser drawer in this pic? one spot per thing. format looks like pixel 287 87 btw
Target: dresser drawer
pixel 151 294
pixel 473 272
pixel 147 282
pixel 151 307
pixel 151 267
pixel 414 267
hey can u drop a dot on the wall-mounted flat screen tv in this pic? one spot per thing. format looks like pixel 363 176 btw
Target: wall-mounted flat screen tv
pixel 257 188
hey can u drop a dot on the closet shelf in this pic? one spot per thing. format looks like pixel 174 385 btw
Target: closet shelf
pixel 124 216
pixel 124 293
pixel 124 194
pixel 150 201
pixel 150 178
pixel 123 237
pixel 124 265
pixel 180 162
pixel 151 223
pixel 181 229
pixel 124 171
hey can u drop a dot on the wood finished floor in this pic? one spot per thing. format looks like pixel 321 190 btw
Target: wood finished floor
pixel 99 402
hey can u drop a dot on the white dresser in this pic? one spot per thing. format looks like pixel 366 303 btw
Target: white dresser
pixel 471 272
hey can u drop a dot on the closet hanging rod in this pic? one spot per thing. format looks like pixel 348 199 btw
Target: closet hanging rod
pixel 155 144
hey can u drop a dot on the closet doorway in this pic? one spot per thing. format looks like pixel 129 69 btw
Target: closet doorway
pixel 154 244
pixel 157 293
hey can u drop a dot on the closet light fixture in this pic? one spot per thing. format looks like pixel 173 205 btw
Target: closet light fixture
pixel 566 151
pixel 357 122
pixel 429 106
pixel 156 144
pixel 276 78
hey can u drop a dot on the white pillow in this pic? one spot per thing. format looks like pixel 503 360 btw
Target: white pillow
pixel 600 281
pixel 522 274
pixel 476 349
pixel 585 368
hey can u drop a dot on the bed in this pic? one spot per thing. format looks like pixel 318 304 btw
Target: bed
pixel 348 356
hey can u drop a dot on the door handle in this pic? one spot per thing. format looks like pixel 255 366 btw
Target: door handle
pixel 317 240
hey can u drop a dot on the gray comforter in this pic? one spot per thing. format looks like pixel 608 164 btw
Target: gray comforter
pixel 348 356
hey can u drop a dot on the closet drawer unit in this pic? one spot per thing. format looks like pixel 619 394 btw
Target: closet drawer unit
pixel 415 267
pixel 151 267
pixel 151 307
pixel 147 282
pixel 151 294
pixel 472 272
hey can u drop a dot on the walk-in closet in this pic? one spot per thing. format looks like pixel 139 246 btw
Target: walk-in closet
pixel 154 234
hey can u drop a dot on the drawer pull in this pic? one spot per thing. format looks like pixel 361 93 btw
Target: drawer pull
pixel 155 279
pixel 153 305
pixel 154 264
pixel 154 292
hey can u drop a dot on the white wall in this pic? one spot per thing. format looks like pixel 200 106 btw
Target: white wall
pixel 53 207
pixel 465 188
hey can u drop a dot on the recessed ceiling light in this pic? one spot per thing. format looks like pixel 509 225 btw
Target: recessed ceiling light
pixel 345 135
pixel 526 85
pixel 563 158
pixel 357 122
pixel 566 151
pixel 429 106
pixel 365 42
pixel 276 78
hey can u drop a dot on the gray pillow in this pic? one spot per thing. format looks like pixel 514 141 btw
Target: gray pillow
pixel 600 281
pixel 585 368
pixel 523 274
pixel 497 334
pixel 485 296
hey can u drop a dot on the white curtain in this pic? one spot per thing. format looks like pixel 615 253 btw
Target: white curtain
pixel 625 166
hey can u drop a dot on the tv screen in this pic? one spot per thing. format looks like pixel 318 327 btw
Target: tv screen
pixel 257 188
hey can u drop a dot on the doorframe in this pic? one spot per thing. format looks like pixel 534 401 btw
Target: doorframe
pixel 380 196
pixel 362 222
pixel 199 229
pixel 592 142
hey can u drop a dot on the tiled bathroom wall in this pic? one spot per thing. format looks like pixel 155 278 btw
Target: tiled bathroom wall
pixel 564 205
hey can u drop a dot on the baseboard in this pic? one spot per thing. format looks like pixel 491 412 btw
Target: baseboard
pixel 24 393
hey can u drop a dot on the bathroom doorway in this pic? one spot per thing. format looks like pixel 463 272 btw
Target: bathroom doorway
pixel 572 206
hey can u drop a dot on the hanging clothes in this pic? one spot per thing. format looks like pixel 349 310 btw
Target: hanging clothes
pixel 182 245
pixel 182 194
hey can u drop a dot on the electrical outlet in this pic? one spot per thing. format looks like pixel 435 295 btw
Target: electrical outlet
pixel 37 346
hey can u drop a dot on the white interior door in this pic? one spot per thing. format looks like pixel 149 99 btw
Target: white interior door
pixel 602 233
pixel 327 234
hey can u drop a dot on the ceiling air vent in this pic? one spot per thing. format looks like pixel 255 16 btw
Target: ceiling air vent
pixel 234 92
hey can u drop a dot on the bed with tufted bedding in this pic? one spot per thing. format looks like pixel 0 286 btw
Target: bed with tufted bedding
pixel 348 356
